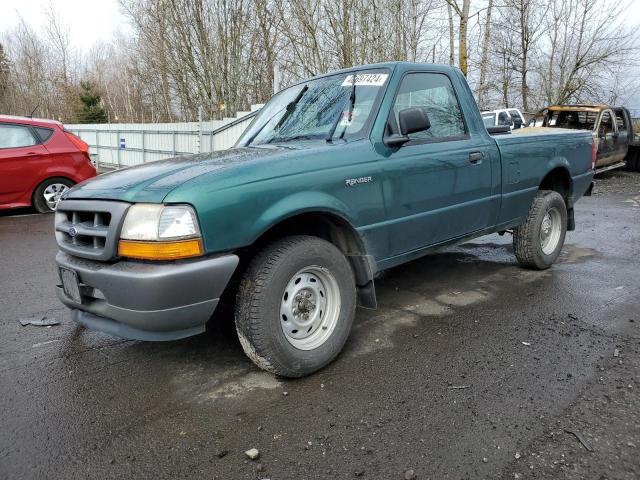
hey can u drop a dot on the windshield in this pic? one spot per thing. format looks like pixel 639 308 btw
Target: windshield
pixel 321 109
pixel 489 119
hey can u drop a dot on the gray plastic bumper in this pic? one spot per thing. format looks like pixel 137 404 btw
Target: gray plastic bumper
pixel 147 301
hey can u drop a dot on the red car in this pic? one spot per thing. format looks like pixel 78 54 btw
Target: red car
pixel 39 161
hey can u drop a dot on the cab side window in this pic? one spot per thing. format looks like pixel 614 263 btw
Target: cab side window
pixel 621 121
pixel 14 136
pixel 606 124
pixel 518 121
pixel 504 119
pixel 434 93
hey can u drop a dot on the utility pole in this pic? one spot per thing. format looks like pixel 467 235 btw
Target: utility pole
pixel 276 78
pixel 200 129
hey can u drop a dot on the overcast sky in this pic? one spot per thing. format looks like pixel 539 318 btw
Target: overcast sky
pixel 93 20
pixel 90 20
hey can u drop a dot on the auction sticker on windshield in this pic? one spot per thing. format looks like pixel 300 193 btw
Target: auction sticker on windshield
pixel 366 79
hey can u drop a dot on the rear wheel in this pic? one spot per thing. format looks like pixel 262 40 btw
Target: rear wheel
pixel 295 306
pixel 538 241
pixel 48 193
pixel 633 160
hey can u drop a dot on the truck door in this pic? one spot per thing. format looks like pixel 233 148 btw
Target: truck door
pixel 622 140
pixel 438 185
pixel 606 131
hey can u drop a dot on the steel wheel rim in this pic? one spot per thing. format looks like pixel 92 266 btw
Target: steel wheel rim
pixel 53 193
pixel 310 307
pixel 550 231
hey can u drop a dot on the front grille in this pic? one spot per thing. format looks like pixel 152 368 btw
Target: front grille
pixel 89 228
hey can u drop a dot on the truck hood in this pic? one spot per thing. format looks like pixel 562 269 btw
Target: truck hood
pixel 151 182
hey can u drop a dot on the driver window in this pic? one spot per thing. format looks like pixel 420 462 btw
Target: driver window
pixel 606 124
pixel 621 121
pixel 434 93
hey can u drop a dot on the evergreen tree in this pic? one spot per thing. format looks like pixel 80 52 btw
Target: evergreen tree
pixel 91 110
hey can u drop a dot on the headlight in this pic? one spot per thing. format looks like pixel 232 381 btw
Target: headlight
pixel 159 232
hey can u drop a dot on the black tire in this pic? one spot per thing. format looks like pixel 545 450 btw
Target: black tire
pixel 262 292
pixel 635 160
pixel 631 161
pixel 527 241
pixel 39 201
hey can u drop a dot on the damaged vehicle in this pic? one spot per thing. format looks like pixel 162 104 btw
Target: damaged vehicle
pixel 338 178
pixel 617 143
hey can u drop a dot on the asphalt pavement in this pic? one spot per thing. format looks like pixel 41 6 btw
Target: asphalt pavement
pixel 472 367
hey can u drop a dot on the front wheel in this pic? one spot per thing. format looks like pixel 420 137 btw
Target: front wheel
pixel 295 306
pixel 633 160
pixel 538 241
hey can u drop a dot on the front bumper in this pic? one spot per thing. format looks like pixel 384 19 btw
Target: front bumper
pixel 147 301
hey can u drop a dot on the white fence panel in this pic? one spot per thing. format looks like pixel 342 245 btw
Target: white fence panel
pixel 128 144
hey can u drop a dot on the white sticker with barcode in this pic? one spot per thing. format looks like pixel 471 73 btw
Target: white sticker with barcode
pixel 366 79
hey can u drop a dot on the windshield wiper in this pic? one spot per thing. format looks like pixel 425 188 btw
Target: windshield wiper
pixel 289 109
pixel 352 100
pixel 352 104
pixel 291 139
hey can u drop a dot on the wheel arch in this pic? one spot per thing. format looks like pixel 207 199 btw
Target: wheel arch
pixel 332 227
pixel 34 189
pixel 559 180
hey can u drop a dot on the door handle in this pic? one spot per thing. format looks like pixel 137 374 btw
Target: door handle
pixel 476 157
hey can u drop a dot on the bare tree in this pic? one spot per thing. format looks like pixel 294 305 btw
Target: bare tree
pixel 590 51
pixel 462 11
pixel 220 54
pixel 484 61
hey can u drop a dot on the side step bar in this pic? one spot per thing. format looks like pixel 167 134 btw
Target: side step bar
pixel 610 167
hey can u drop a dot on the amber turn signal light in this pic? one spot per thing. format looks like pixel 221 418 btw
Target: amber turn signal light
pixel 160 250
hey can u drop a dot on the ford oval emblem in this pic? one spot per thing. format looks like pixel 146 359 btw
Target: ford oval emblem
pixel 73 232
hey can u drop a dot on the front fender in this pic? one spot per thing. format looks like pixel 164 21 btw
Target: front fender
pixel 299 203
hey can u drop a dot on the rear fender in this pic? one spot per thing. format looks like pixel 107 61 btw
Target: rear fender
pixel 555 162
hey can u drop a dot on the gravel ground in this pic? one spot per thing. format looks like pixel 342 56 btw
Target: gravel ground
pixel 617 182
pixel 471 368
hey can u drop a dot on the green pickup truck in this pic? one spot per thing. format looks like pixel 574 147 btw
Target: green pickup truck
pixel 336 179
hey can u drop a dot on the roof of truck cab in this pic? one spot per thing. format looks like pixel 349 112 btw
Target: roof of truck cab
pixel 579 108
pixel 434 67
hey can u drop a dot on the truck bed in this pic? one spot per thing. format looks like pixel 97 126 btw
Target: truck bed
pixel 526 150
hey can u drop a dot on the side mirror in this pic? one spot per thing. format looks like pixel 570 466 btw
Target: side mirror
pixel 395 140
pixel 413 120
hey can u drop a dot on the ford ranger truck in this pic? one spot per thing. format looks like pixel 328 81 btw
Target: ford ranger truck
pixel 338 178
